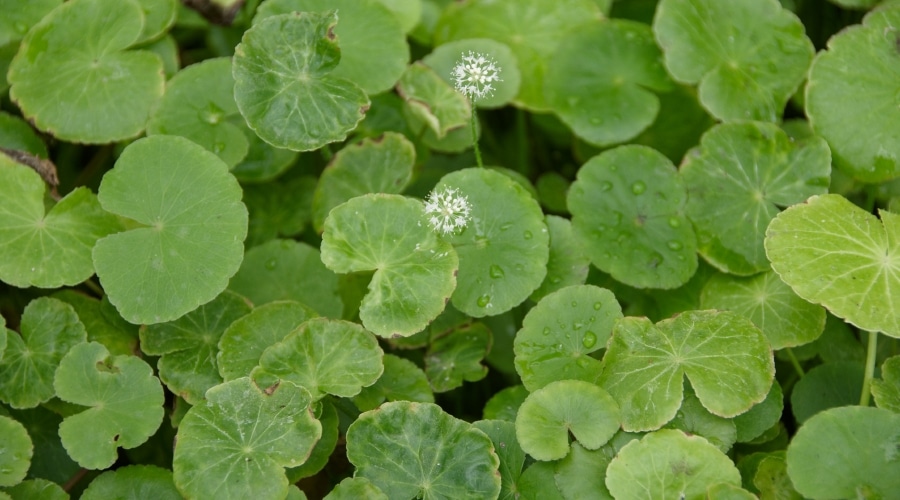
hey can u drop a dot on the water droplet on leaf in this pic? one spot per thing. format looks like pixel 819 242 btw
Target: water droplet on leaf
pixel 638 187
pixel 483 301
pixel 496 272
pixel 589 339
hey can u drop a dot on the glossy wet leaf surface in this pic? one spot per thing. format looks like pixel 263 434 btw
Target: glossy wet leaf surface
pixel 833 253
pixel 189 240
pixel 414 450
pixel 559 334
pixel 628 205
pixel 503 251
pixel 289 93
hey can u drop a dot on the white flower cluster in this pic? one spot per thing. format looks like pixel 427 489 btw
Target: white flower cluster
pixel 447 210
pixel 475 75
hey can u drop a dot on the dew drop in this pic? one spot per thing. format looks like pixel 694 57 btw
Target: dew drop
pixel 584 362
pixel 574 303
pixel 589 339
pixel 605 186
pixel 484 300
pixel 506 226
pixel 577 326
pixel 218 147
pixel 546 330
pixel 271 263
pixel 598 306
pixel 638 187
pixel 674 245
pixel 558 347
pixel 496 272
pixel 674 222
pixel 528 235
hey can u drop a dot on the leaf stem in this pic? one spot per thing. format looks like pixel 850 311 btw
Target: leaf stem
pixel 94 287
pixel 795 362
pixel 475 139
pixel 871 351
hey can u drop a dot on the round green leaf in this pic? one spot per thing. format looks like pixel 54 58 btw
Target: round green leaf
pixel 193 227
pixel 860 446
pixel 354 488
pixel 738 180
pixel 237 445
pixel 414 270
pixel 532 29
pixel 850 98
pixel 599 81
pixel 726 358
pixel 411 450
pixel 381 165
pixel 772 479
pixel 828 385
pixel 197 104
pixel 402 380
pixel 833 253
pixel 457 356
pixel 284 83
pixel 288 270
pixel 627 204
pixel 373 48
pixel 20 15
pixel 124 399
pixel 41 247
pixel 568 263
pixel 159 16
pixel 133 482
pixel 93 75
pixel 504 250
pixel 245 340
pixel 512 458
pixel 49 328
pixel 886 390
pixel 561 331
pixel 785 319
pixel 550 413
pixel 325 357
pixel 445 57
pixel 749 56
pixel 36 489
pixel 15 451
pixel 188 345
pixel 669 464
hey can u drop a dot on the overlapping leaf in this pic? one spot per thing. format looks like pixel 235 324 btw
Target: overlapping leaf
pixel 49 329
pixel 415 450
pixel 42 247
pixel 743 174
pixel 124 399
pixel 414 270
pixel 237 445
pixel 834 253
pixel 285 86
pixel 55 64
pixel 727 360
pixel 189 240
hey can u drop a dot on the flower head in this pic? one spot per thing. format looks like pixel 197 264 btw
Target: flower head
pixel 475 74
pixel 447 210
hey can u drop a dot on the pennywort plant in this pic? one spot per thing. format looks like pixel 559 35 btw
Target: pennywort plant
pixel 449 249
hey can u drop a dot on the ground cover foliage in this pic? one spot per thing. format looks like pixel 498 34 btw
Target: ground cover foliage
pixel 449 249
